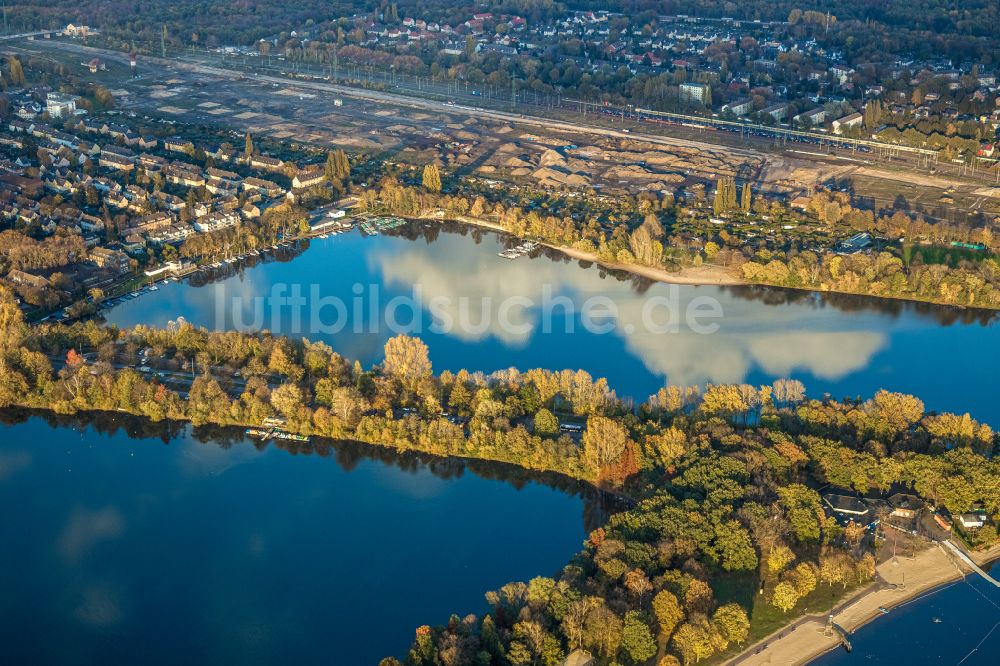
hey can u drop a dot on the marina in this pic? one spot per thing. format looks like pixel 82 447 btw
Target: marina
pixel 518 251
pixel 373 225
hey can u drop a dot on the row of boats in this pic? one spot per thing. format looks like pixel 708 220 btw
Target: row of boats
pixel 372 225
pixel 335 232
pixel 519 250
pixel 275 433
pixel 248 254
pixel 118 300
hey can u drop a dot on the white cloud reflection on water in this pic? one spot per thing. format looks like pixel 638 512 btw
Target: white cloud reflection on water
pixel 12 462
pixel 778 340
pixel 86 528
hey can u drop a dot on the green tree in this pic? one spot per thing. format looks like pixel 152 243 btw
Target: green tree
pixel 546 423
pixel 637 640
pixel 804 511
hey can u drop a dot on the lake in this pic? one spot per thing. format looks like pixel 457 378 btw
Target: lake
pixel 968 633
pixel 129 543
pixel 530 313
pixel 199 546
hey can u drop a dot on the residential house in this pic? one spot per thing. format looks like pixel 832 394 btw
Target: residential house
pixel 58 105
pixel 267 187
pixel 309 177
pixel 267 163
pixel 695 92
pixel 812 117
pixel 778 111
pixel 216 221
pixel 852 120
pixel 845 506
pixel 739 107
pixel 176 145
pixel 114 161
pixel 113 260
pixel 20 277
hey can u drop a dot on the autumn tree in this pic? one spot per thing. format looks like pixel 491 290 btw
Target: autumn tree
pixel 784 596
pixel 432 178
pixel 407 359
pixel 604 441
pixel 733 622
pixel 668 612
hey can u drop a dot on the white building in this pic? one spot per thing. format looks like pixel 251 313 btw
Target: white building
pixel 695 92
pixel 811 117
pixel 852 120
pixel 60 106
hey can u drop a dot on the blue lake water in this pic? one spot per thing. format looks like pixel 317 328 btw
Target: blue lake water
pixel 133 550
pixel 846 346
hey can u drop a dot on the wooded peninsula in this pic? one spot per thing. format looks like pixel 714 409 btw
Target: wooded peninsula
pixel 728 534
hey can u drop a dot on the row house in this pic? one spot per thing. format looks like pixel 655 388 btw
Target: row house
pixel 220 180
pixel 265 162
pixel 176 145
pixel 266 187
pixel 309 177
pixel 113 161
pixel 171 202
pixel 119 151
pixel 183 174
pixel 224 153
pixel 152 222
pixel 170 235
pixel 216 221
pixel 152 162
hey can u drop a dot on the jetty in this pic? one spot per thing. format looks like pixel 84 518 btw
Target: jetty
pixel 833 627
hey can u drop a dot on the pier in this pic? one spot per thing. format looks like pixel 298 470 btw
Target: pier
pixel 842 633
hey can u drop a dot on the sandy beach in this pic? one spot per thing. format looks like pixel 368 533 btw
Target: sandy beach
pixel 899 580
pixel 695 275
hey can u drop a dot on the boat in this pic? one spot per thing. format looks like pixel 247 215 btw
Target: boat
pixel 936 620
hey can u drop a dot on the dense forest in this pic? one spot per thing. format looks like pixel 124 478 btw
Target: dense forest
pixel 723 480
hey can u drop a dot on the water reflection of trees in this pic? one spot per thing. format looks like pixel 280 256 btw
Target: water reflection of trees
pixel 853 303
pixel 772 296
pixel 348 455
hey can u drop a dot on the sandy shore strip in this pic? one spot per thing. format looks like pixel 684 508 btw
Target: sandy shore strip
pixel 900 580
pixel 695 275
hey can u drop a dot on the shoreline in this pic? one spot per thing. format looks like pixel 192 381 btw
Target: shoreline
pixel 803 640
pixel 705 275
